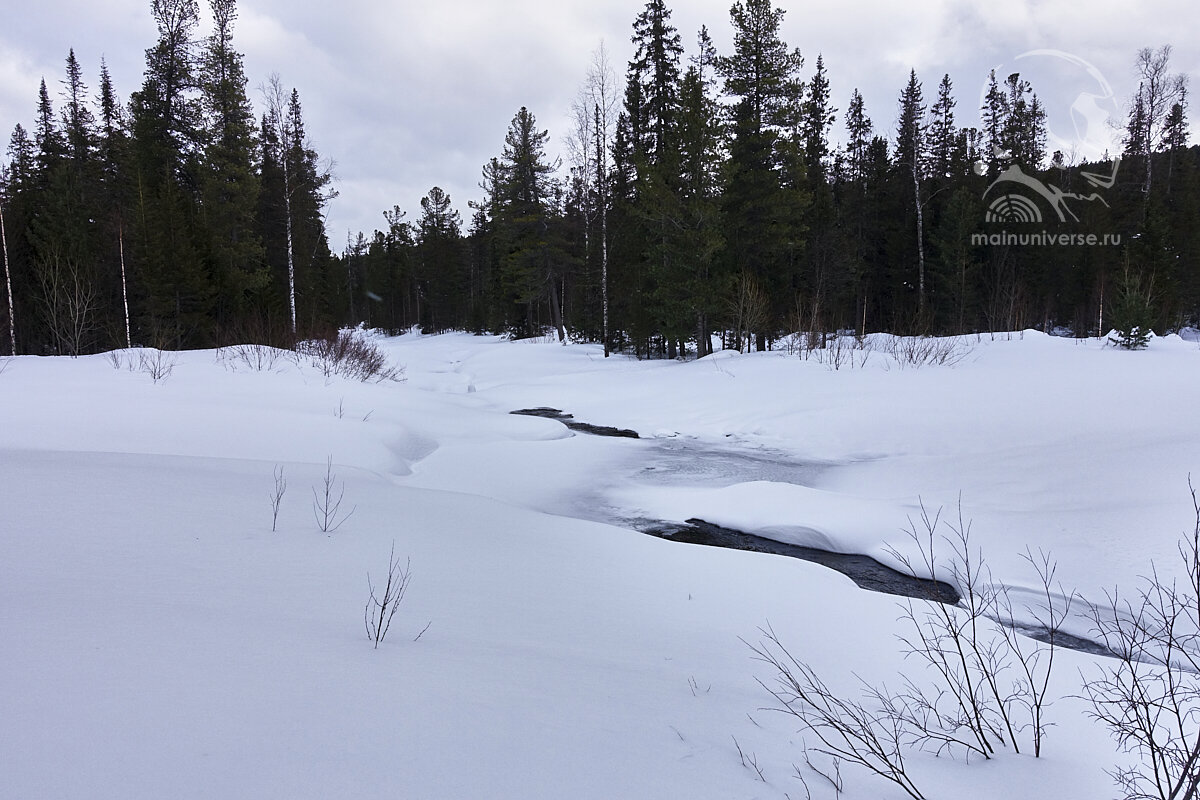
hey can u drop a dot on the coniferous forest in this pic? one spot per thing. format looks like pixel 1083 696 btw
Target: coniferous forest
pixel 703 194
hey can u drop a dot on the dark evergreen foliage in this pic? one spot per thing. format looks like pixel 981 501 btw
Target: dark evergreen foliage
pixel 730 208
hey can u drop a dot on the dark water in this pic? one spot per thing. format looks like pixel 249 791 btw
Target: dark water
pixel 570 422
pixel 866 572
pixel 686 462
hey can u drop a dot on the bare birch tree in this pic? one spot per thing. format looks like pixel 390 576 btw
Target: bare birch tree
pixel 12 326
pixel 1157 91
pixel 597 102
pixel 277 115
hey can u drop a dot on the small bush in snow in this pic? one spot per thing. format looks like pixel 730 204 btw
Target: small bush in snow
pixel 1132 313
pixel 277 495
pixel 327 501
pixel 158 364
pixel 989 686
pixel 254 357
pixel 383 604
pixel 349 354
pixel 1149 697
pixel 923 351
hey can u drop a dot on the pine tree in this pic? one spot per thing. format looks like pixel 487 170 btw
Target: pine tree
pixel 78 122
pixel 1175 134
pixel 655 70
pixel 176 306
pixel 49 139
pixel 113 155
pixel 529 254
pixel 1132 311
pixel 858 138
pixel 229 185
pixel 911 158
pixel 440 258
pixel 994 113
pixel 1023 133
pixel 295 191
pixel 166 114
pixel 818 118
pixel 765 192
pixel 944 157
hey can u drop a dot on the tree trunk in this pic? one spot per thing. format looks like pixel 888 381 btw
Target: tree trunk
pixel 556 312
pixel 291 260
pixel 124 285
pixel 12 326
pixel 920 245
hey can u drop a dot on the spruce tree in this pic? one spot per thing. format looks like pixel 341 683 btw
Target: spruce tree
pixel 176 291
pixel 229 185
pixel 655 70
pixel 528 267
pixel 441 262
pixel 765 193
pixel 818 118
pixel 910 157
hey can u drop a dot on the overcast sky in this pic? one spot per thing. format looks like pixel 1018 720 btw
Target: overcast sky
pixel 408 94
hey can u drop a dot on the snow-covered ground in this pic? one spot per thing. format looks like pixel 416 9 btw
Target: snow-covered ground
pixel 157 639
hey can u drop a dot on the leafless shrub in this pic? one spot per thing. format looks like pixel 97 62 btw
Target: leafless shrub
pixel 129 359
pixel 749 761
pixel 254 357
pixel 69 299
pixel 277 495
pixel 349 354
pixel 158 364
pixel 327 501
pixel 382 606
pixel 1150 697
pixel 846 730
pixel 841 350
pixel 748 310
pixel 978 704
pixel 922 351
pixel 983 686
pixel 834 350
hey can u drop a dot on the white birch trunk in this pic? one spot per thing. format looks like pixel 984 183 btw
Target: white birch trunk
pixel 12 325
pixel 124 285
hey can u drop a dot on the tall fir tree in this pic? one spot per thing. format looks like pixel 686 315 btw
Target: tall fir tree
pixel 229 183
pixel 766 192
pixel 175 292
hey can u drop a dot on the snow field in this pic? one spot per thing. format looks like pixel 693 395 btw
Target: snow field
pixel 159 640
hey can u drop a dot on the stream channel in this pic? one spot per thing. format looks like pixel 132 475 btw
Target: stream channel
pixel 680 462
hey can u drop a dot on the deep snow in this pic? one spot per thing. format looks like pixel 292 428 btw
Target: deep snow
pixel 158 639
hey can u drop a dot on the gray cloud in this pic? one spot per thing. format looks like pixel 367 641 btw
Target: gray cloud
pixel 405 95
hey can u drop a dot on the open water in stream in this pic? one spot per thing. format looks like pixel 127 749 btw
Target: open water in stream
pixel 688 462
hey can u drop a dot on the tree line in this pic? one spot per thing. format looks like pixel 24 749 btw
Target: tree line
pixel 178 218
pixel 702 196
